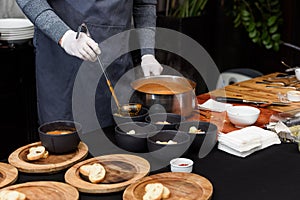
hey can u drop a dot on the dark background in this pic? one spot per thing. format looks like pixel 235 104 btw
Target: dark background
pixel 230 47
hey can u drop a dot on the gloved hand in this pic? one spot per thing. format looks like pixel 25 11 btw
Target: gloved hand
pixel 83 47
pixel 150 65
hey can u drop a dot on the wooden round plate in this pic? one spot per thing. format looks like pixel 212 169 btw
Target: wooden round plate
pixel 53 163
pixel 121 171
pixel 181 185
pixel 8 174
pixel 45 190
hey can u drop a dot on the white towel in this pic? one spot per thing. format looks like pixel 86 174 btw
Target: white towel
pixel 247 140
pixel 215 106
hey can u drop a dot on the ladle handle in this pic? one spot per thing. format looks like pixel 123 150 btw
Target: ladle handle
pixel 113 93
pixel 85 29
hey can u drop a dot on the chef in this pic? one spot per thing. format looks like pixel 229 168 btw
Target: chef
pixel 59 53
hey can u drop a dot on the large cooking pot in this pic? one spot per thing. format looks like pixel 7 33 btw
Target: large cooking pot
pixel 166 93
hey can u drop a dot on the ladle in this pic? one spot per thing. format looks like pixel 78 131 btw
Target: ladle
pixel 130 109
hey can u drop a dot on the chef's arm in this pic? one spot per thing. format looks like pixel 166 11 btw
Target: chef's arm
pixel 43 16
pixel 144 18
pixel 40 13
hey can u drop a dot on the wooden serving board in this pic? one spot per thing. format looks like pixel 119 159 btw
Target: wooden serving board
pixel 8 174
pixel 185 186
pixel 251 90
pixel 45 190
pixel 53 163
pixel 121 171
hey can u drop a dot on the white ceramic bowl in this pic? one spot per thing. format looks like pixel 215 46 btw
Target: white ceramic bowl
pixel 242 116
pixel 293 96
pixel 181 165
pixel 297 73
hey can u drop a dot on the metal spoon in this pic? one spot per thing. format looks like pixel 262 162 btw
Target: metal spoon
pixel 290 68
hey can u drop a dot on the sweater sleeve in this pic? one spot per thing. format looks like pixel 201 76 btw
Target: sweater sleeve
pixel 144 16
pixel 40 13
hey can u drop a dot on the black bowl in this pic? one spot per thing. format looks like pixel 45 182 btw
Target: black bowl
pixel 171 118
pixel 168 151
pixel 60 143
pixel 133 142
pixel 208 134
pixel 140 117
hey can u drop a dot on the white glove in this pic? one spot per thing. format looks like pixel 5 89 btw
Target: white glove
pixel 83 47
pixel 150 65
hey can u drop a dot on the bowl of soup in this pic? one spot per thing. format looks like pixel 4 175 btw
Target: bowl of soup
pixel 60 137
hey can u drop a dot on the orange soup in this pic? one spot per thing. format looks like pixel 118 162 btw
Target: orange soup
pixel 60 132
pixel 164 88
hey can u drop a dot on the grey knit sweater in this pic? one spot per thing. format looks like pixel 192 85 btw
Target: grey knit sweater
pixel 44 17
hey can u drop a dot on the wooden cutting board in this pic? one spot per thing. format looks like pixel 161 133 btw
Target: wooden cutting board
pixel 45 190
pixel 185 186
pixel 53 163
pixel 8 174
pixel 121 171
pixel 251 90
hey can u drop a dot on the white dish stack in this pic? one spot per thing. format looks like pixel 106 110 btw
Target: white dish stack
pixel 14 29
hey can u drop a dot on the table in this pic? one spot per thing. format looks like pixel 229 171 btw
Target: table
pixel 271 173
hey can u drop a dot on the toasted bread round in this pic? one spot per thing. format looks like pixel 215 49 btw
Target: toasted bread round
pixel 36 153
pixel 12 195
pixel 46 154
pixel 95 172
pixel 154 191
pixel 85 169
pixel 166 193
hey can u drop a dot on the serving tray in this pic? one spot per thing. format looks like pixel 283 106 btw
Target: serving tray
pixel 121 171
pixel 8 174
pixel 181 185
pixel 53 163
pixel 45 190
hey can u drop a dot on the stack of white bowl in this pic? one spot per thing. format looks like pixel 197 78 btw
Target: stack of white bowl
pixel 12 29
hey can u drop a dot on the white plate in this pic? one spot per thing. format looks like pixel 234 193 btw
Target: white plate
pixel 12 23
pixel 13 31
pixel 20 37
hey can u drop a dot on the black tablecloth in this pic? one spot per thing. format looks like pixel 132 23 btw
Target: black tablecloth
pixel 272 173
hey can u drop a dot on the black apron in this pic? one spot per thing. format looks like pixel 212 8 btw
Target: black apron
pixel 56 70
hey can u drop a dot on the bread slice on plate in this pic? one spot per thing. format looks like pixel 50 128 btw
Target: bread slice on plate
pixel 37 152
pixel 12 195
pixel 154 191
pixel 95 172
pixel 166 193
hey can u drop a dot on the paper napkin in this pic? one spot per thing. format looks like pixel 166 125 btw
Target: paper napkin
pixel 247 140
pixel 214 105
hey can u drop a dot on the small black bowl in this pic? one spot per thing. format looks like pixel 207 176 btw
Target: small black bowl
pixel 208 134
pixel 140 117
pixel 171 118
pixel 133 142
pixel 60 143
pixel 168 151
